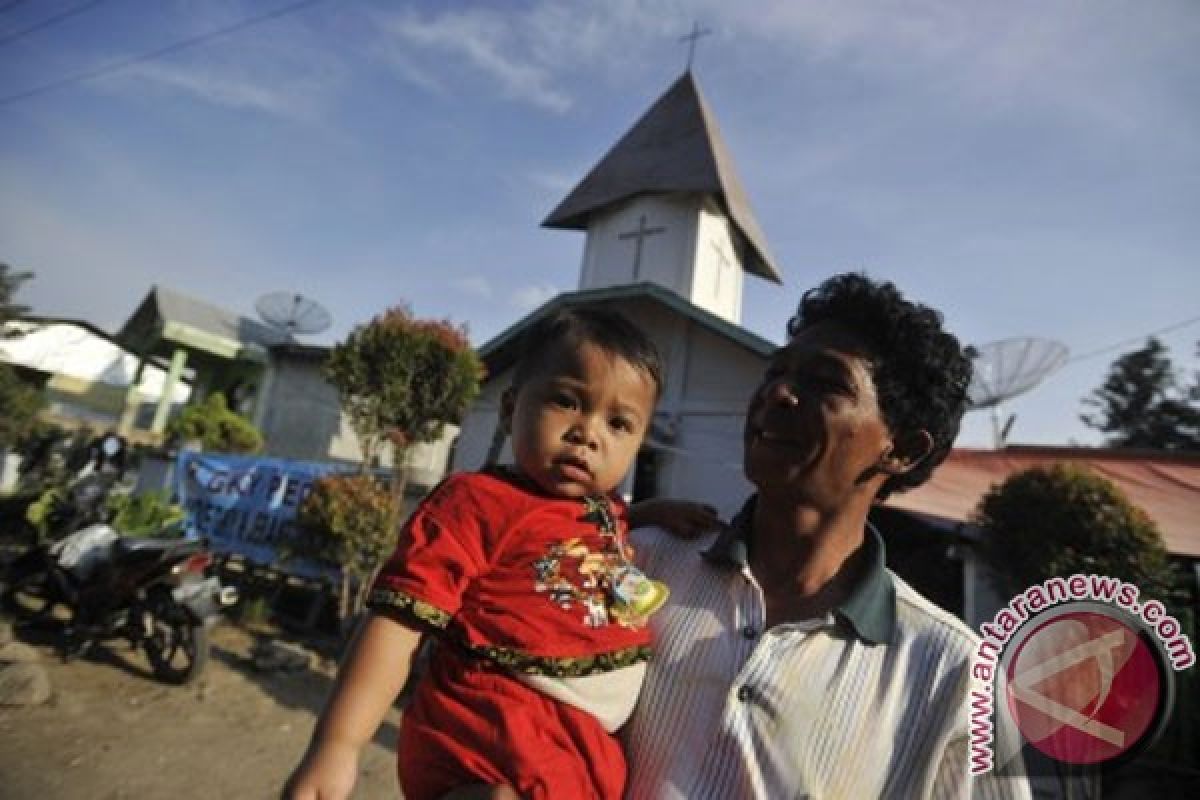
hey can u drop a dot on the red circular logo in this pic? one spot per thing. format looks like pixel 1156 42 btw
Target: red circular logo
pixel 1084 687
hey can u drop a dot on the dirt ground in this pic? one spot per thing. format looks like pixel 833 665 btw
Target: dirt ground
pixel 111 731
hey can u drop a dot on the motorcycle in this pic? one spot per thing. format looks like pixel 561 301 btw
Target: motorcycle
pixel 66 484
pixel 155 592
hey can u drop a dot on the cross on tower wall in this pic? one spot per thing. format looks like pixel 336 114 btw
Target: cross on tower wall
pixel 680 242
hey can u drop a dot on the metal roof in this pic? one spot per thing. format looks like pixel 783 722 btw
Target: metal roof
pixel 167 315
pixel 675 147
pixel 1164 485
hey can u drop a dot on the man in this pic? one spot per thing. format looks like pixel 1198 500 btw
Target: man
pixel 790 662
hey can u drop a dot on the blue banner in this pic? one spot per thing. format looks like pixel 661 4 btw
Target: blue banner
pixel 247 505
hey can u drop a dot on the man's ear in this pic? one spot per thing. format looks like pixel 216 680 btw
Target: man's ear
pixel 907 451
pixel 508 404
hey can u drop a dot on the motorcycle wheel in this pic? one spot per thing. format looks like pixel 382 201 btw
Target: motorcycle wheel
pixel 176 644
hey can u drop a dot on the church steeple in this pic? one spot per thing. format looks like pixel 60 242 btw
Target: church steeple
pixel 665 205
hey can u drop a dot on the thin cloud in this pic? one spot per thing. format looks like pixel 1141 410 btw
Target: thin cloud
pixel 485 39
pixel 529 297
pixel 226 90
pixel 1067 59
pixel 476 285
pixel 551 182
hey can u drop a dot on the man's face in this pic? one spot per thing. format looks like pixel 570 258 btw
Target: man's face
pixel 814 429
pixel 577 423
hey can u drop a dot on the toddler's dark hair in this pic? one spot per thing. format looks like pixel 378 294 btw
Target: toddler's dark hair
pixel 574 327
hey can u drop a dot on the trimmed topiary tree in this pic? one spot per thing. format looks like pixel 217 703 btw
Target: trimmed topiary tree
pixel 400 380
pixel 1064 519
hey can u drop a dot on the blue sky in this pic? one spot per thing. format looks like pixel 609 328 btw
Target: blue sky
pixel 1030 168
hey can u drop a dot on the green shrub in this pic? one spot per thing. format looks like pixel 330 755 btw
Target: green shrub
pixel 348 522
pixel 217 428
pixel 40 511
pixel 1063 519
pixel 146 514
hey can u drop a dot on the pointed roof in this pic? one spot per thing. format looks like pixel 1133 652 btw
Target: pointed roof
pixel 675 147
pixel 167 316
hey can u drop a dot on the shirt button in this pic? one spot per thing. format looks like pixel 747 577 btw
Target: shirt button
pixel 749 632
pixel 745 693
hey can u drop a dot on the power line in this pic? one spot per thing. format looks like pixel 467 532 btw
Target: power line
pixel 1135 340
pixel 46 23
pixel 174 47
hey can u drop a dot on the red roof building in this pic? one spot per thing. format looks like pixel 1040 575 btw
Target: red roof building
pixel 1164 485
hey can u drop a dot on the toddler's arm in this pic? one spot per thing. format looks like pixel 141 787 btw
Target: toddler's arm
pixel 681 517
pixel 367 683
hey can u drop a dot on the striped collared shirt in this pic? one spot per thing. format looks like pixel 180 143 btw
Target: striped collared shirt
pixel 869 701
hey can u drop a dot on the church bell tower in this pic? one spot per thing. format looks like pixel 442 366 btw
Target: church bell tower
pixel 665 206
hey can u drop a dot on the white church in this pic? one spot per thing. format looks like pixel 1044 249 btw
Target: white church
pixel 670 238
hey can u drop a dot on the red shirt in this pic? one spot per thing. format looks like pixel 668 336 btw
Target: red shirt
pixel 517 577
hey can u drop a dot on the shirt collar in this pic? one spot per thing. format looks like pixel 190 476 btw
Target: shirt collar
pixel 870 608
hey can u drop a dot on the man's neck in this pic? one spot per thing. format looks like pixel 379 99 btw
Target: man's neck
pixel 804 561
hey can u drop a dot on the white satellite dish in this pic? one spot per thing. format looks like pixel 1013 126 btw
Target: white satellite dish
pixel 1007 368
pixel 292 314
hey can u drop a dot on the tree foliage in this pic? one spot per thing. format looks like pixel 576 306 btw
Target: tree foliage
pixel 19 407
pixel 10 281
pixel 1061 520
pixel 401 378
pixel 145 514
pixel 19 402
pixel 347 522
pixel 217 428
pixel 1142 405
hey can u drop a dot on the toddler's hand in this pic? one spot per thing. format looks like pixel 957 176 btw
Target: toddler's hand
pixel 681 517
pixel 328 773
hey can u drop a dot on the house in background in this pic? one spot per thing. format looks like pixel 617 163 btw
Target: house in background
pixel 300 417
pixel 275 381
pixel 88 377
pixel 222 351
pixel 669 239
pixel 929 527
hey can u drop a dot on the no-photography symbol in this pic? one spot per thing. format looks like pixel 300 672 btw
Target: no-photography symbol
pixel 1085 686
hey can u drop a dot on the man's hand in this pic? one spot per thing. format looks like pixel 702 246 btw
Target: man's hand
pixel 683 518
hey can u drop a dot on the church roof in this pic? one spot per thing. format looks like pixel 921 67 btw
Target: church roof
pixel 502 351
pixel 675 147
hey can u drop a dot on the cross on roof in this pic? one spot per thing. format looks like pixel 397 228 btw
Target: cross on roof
pixel 691 38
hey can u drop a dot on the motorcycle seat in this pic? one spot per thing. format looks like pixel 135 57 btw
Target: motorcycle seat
pixel 131 545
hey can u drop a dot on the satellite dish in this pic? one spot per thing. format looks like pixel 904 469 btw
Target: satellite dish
pixel 292 314
pixel 1007 368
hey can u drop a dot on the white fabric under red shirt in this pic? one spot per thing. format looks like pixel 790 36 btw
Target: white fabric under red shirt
pixel 867 702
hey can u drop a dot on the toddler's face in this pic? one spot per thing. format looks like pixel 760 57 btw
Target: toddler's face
pixel 578 422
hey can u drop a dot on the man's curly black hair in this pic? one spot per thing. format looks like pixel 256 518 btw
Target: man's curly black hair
pixel 921 371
